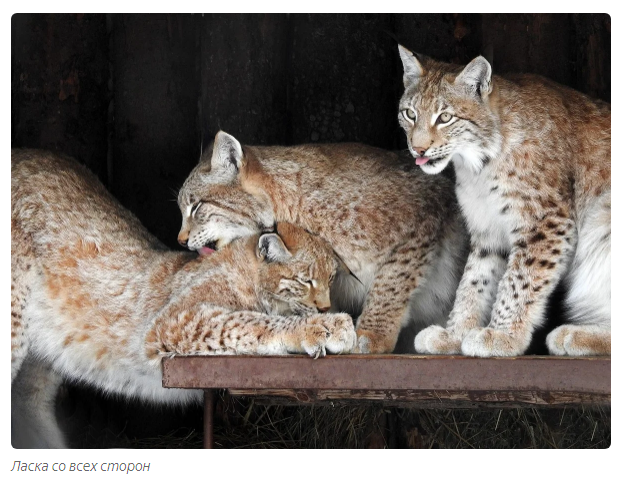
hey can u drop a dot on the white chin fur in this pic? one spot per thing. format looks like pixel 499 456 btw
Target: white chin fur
pixel 436 168
pixel 469 158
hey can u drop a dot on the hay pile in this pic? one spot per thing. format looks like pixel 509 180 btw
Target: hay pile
pixel 243 423
pixel 375 426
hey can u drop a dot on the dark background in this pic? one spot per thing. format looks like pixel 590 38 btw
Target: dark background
pixel 134 97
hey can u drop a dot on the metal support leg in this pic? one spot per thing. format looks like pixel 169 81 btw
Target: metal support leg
pixel 209 410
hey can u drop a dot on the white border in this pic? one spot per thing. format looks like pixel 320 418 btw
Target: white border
pixel 563 468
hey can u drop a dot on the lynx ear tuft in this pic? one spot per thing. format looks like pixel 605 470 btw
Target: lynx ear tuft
pixel 412 67
pixel 476 77
pixel 227 154
pixel 272 249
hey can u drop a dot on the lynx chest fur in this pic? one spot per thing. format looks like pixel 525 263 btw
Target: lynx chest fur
pixel 485 209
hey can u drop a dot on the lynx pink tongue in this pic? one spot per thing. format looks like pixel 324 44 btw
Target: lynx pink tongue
pixel 205 250
pixel 421 161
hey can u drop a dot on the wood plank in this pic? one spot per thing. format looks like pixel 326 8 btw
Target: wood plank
pixel 425 399
pixel 540 374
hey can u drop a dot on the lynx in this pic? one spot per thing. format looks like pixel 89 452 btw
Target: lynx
pixel 399 232
pixel 96 298
pixel 532 162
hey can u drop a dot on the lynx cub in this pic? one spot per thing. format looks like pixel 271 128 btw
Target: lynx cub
pixel 96 298
pixel 399 232
pixel 532 161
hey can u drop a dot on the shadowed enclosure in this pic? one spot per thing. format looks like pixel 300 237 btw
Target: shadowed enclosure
pixel 135 97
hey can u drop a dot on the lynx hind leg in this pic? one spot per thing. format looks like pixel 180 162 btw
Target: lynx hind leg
pixel 588 299
pixel 583 340
pixel 19 293
pixel 19 345
pixel 33 395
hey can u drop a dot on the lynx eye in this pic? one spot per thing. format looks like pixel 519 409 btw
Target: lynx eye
pixel 445 117
pixel 195 208
pixel 410 115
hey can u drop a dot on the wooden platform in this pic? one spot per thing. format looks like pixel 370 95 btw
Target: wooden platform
pixel 402 380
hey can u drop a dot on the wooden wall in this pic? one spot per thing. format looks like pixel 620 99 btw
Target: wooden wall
pixel 135 96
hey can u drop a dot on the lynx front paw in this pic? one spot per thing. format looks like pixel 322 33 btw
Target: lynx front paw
pixel 342 334
pixel 372 343
pixel 328 332
pixel 579 341
pixel 489 342
pixel 436 340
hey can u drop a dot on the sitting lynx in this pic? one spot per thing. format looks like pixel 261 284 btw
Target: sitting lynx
pixel 532 161
pixel 96 298
pixel 399 232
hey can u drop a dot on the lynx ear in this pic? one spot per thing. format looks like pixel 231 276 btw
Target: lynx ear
pixel 227 154
pixel 412 67
pixel 476 77
pixel 272 249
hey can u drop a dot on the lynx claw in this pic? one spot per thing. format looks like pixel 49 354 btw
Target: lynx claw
pixel 437 340
pixel 333 333
pixel 314 350
pixel 319 352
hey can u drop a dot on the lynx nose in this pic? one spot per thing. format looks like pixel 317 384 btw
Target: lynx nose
pixel 183 239
pixel 322 302
pixel 420 151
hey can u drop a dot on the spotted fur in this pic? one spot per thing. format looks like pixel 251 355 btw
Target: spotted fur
pixel 96 298
pixel 399 232
pixel 532 162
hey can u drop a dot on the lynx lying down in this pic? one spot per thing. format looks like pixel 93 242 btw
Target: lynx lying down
pixel 96 298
